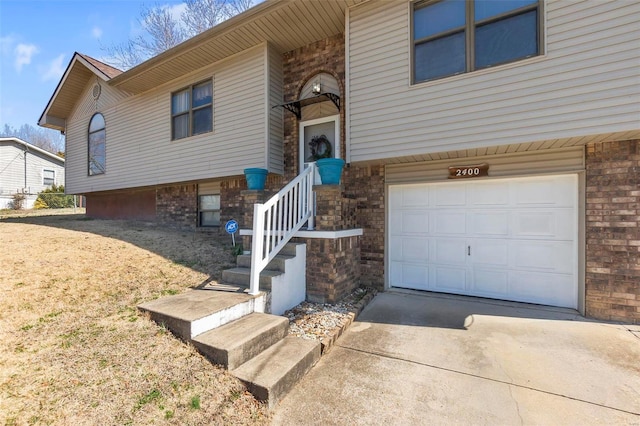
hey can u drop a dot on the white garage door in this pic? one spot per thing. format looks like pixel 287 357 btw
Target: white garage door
pixel 512 239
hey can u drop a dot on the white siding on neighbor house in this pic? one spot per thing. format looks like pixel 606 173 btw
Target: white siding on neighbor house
pixel 139 149
pixel 587 83
pixel 276 95
pixel 12 169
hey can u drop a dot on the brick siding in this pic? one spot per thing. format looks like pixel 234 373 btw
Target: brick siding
pixel 612 281
pixel 177 206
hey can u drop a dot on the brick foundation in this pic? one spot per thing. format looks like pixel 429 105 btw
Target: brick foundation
pixel 612 281
pixel 131 205
pixel 177 206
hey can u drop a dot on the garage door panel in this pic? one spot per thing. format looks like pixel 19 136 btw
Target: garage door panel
pixel 545 192
pixel 449 222
pixel 493 193
pixel 546 289
pixel 410 249
pixel 450 279
pixel 490 283
pixel 408 275
pixel 489 253
pixel 450 251
pixel 558 224
pixel 551 256
pixel 444 197
pixel 415 196
pixel 412 222
pixel 490 223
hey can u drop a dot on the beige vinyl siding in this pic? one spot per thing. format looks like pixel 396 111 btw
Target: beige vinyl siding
pixel 500 165
pixel 139 149
pixel 88 106
pixel 276 95
pixel 586 84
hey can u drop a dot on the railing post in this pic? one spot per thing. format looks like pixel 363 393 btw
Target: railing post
pixel 257 247
pixel 310 199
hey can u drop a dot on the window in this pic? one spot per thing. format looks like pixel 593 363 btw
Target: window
pixel 48 177
pixel 209 208
pixel 97 145
pixel 192 110
pixel 453 36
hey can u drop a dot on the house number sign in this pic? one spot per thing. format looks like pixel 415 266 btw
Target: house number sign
pixel 462 172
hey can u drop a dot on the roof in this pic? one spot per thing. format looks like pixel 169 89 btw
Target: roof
pixel 30 147
pixel 80 70
pixel 285 24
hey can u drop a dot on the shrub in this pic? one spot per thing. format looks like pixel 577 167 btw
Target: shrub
pixel 17 201
pixel 54 198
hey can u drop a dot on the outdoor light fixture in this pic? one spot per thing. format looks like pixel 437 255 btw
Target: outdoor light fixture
pixel 316 89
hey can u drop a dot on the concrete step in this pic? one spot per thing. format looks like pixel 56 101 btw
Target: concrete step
pixel 237 342
pixel 270 375
pixel 242 276
pixel 277 264
pixel 197 311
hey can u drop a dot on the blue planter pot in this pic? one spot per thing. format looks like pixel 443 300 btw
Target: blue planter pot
pixel 330 170
pixel 256 178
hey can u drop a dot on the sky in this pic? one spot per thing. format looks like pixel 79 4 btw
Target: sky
pixel 38 39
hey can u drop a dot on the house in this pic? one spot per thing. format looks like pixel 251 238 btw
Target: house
pixel 26 169
pixel 492 148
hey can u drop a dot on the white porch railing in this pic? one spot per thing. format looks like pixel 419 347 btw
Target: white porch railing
pixel 277 220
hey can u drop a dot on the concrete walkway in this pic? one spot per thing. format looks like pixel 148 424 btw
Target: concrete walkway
pixel 415 358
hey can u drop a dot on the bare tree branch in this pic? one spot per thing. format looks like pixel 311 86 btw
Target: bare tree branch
pixel 162 31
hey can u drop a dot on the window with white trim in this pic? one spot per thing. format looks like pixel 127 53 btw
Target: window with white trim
pixel 455 36
pixel 192 110
pixel 48 177
pixel 97 145
pixel 209 210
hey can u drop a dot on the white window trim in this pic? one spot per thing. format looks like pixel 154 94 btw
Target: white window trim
pixel 54 176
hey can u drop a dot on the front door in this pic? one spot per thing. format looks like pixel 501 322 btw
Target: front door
pixel 319 138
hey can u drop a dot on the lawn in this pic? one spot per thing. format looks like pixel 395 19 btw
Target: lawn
pixel 76 351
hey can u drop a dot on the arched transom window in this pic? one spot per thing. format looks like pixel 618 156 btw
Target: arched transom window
pixel 97 145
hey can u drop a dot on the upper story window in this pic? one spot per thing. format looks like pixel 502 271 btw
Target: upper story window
pixel 192 110
pixel 455 36
pixel 97 145
pixel 48 177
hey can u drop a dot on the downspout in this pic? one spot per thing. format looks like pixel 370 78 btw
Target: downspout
pixel 25 169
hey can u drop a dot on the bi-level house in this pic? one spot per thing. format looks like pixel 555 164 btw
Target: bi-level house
pixel 492 148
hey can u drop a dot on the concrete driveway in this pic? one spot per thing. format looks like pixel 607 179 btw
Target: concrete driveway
pixel 415 358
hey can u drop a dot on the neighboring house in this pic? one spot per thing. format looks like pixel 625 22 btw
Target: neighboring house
pixel 492 147
pixel 26 169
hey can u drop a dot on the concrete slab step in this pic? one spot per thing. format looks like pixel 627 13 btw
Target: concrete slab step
pixel 234 288
pixel 237 342
pixel 197 311
pixel 277 264
pixel 242 276
pixel 270 375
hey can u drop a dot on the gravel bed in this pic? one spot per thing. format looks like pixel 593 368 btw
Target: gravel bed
pixel 323 321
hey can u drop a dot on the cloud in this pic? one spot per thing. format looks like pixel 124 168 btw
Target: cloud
pixel 54 70
pixel 176 10
pixel 23 53
pixel 96 32
pixel 6 44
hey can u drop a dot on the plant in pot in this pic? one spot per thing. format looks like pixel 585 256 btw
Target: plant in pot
pixel 329 168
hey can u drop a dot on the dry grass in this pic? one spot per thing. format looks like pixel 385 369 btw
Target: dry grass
pixel 75 350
